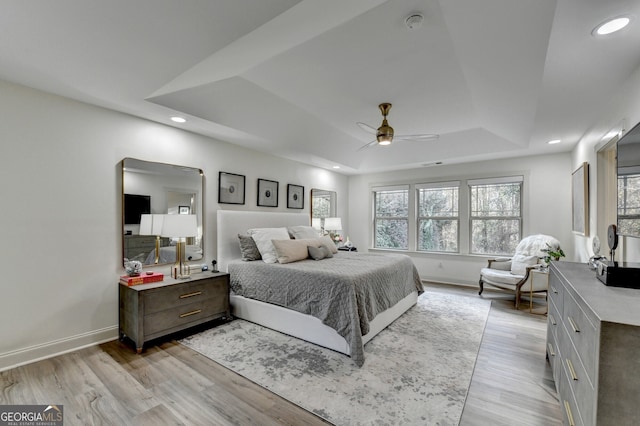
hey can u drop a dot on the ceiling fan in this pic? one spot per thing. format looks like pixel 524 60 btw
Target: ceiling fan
pixel 384 133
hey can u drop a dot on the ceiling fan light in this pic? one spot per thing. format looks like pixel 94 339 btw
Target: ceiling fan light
pixel 384 141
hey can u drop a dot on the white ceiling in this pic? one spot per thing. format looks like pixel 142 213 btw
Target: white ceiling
pixel 495 78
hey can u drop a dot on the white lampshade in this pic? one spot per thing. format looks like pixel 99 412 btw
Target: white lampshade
pixel 151 224
pixel 332 224
pixel 179 225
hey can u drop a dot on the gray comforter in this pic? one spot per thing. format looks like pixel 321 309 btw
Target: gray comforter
pixel 345 292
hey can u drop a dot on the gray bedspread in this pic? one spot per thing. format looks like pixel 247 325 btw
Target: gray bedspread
pixel 345 292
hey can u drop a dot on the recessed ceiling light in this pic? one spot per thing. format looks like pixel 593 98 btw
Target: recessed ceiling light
pixel 554 141
pixel 336 167
pixel 611 26
pixel 177 119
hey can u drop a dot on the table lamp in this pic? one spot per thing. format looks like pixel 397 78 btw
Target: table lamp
pixel 180 226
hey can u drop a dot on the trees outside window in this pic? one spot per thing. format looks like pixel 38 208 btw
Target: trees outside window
pixel 629 204
pixel 438 217
pixel 496 216
pixel 391 221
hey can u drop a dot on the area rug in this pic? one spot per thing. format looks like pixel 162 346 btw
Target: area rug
pixel 417 371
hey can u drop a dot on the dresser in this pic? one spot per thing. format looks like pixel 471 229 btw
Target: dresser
pixel 149 311
pixel 593 346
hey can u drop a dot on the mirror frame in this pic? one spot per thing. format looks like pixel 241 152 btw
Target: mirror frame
pixel 168 172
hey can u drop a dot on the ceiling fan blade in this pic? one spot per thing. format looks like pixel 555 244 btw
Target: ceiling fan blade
pixel 367 128
pixel 418 138
pixel 369 145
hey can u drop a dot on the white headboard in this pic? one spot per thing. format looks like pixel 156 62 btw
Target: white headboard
pixel 231 223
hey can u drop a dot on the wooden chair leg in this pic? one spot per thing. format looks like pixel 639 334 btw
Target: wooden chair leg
pixel 481 287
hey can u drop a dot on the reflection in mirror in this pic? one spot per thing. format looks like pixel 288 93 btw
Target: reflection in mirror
pixel 628 154
pixel 323 205
pixel 157 189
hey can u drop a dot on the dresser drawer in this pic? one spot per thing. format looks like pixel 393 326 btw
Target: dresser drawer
pixel 183 294
pixel 181 316
pixel 568 406
pixel 581 386
pixel 554 318
pixel 582 333
pixel 556 290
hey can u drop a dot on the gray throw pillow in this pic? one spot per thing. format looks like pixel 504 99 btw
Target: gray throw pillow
pixel 319 253
pixel 248 248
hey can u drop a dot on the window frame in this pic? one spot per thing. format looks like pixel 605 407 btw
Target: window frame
pixel 418 218
pixel 375 191
pixel 519 179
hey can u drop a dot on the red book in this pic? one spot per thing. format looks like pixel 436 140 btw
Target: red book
pixel 143 278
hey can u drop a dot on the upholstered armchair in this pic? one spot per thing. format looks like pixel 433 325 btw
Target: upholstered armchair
pixel 514 273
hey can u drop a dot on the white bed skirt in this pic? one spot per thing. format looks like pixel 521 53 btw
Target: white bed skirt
pixel 309 328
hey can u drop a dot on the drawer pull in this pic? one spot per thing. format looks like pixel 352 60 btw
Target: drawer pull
pixel 197 311
pixel 574 376
pixel 552 320
pixel 550 349
pixel 573 325
pixel 195 293
pixel 567 409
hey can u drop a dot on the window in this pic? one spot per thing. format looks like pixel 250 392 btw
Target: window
pixel 438 220
pixel 391 217
pixel 496 215
pixel 628 203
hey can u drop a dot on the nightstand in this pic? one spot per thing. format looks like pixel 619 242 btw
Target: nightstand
pixel 149 311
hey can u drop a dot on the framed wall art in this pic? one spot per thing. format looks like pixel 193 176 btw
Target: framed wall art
pixel 580 199
pixel 267 193
pixel 231 188
pixel 295 196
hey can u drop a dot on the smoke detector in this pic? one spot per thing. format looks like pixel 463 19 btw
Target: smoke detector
pixel 414 21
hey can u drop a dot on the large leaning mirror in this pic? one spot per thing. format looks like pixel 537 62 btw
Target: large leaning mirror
pixel 628 154
pixel 150 190
pixel 323 205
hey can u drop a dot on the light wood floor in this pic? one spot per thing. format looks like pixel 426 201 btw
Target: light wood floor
pixel 171 384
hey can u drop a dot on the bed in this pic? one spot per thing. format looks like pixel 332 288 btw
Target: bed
pixel 304 320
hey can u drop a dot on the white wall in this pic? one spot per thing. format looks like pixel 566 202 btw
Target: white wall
pixel 622 107
pixel 546 207
pixel 61 212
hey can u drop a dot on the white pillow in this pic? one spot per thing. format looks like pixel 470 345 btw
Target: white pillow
pixel 328 243
pixel 263 237
pixel 292 250
pixel 300 232
pixel 520 262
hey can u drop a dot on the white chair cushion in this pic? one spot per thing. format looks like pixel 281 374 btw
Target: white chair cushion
pixel 498 276
pixel 519 263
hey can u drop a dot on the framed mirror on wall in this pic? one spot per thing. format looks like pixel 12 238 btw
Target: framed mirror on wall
pixel 150 191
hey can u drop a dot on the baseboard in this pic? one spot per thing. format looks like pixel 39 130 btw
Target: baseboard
pixel 35 353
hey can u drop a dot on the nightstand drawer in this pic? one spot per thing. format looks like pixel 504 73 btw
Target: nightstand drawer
pixel 183 294
pixel 180 316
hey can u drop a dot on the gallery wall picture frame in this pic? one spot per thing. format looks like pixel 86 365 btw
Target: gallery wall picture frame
pixel 295 196
pixel 267 193
pixel 580 199
pixel 231 188
pixel 184 210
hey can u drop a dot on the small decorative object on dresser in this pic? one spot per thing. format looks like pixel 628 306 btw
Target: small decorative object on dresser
pixel 150 311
